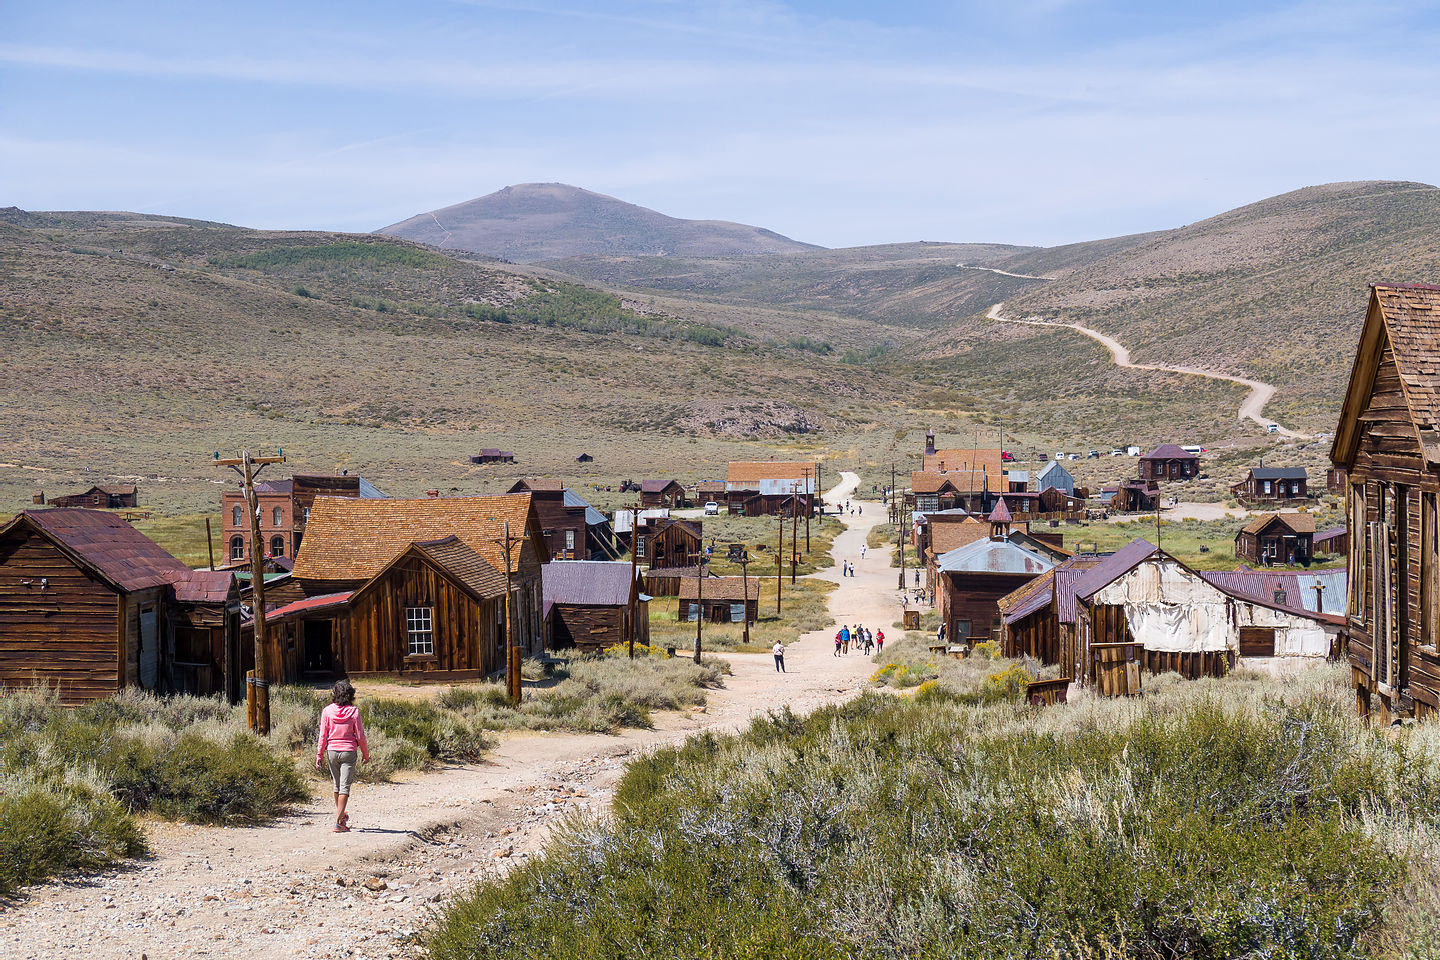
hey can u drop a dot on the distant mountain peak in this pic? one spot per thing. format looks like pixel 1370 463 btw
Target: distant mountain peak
pixel 534 222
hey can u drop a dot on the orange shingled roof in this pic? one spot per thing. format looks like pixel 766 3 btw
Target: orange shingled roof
pixel 753 471
pixel 353 539
pixel 946 461
pixel 945 537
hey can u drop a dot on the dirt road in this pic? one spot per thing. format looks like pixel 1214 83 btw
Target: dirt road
pixel 1003 273
pixel 1251 408
pixel 294 889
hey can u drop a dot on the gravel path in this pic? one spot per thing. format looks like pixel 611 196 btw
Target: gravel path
pixel 292 888
pixel 1251 408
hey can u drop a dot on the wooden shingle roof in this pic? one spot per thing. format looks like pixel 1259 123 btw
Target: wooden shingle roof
pixel 721 588
pixel 465 565
pixel 1297 522
pixel 353 539
pixel 945 537
pixel 964 459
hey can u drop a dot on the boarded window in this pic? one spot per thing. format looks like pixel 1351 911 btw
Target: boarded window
pixel 1429 572
pixel 419 631
pixel 1257 641
pixel 1358 541
pixel 737 612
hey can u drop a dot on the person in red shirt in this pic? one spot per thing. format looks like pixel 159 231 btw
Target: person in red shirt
pixel 342 736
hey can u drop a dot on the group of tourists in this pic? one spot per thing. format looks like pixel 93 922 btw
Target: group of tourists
pixel 861 638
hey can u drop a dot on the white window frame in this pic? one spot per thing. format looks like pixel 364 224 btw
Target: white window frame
pixel 237 516
pixel 420 631
pixel 237 541
pixel 277 517
pixel 570 540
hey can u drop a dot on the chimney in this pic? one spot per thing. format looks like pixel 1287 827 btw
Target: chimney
pixel 930 443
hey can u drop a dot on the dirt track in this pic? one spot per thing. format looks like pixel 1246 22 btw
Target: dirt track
pixel 1251 408
pixel 294 889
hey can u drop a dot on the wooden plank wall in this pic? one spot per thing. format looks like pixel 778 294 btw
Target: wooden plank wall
pixel 465 635
pixel 67 634
pixel 587 628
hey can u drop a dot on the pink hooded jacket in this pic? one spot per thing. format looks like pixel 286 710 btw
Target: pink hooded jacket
pixel 341 729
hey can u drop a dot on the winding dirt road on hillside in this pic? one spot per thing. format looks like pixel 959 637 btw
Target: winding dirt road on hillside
pixel 292 888
pixel 1003 273
pixel 1251 408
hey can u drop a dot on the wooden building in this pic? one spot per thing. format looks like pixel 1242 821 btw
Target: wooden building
pixel 573 529
pixel 1388 444
pixel 493 455
pixel 1334 542
pixel 722 599
pixel 710 491
pixel 665 581
pixel 1054 501
pixel 674 543
pixel 591 604
pixel 93 606
pixel 284 508
pixel 1277 538
pixel 1169 462
pixel 584 458
pixel 1038 619
pixel 1272 485
pixel 412 588
pixel 1195 624
pixel 108 497
pixel 663 493
pixel 1337 481
pixel 767 487
pixel 970 580
pixel 926 523
pixel 1055 477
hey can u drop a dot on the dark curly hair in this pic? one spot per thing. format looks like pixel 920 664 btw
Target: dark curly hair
pixel 343 693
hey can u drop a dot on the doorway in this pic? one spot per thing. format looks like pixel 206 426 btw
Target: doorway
pixel 319 652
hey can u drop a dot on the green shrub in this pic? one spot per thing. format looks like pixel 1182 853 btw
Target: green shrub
pixel 49 828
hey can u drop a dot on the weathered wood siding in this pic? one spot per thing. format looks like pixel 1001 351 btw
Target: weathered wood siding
pixel 465 635
pixel 975 597
pixel 69 634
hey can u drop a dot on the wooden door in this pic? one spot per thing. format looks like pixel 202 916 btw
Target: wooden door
pixel 1117 668
pixel 1257 641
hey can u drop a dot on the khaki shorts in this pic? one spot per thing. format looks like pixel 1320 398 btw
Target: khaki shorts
pixel 342 768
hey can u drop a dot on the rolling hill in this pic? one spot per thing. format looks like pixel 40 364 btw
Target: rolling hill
pixel 531 222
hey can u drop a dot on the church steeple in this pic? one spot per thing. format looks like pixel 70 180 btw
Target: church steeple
pixel 1000 521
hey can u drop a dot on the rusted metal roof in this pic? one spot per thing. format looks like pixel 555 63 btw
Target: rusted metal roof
pixel 106 544
pixel 205 586
pixel 1327 536
pixel 589 583
pixel 1001 513
pixel 1169 451
pixel 1284 590
pixel 659 486
pixel 314 604
pixel 995 556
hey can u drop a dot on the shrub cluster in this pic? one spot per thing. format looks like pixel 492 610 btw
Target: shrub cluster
pixel 1205 821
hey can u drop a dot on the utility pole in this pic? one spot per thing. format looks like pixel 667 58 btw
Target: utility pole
pixel 210 543
pixel 894 506
pixel 513 657
pixel 809 505
pixel 745 590
pixel 900 532
pixel 634 563
pixel 794 534
pixel 779 560
pixel 257 686
pixel 700 604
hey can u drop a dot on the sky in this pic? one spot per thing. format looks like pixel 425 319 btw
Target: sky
pixel 839 123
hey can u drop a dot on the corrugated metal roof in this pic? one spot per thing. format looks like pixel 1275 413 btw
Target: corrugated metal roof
pixel 110 546
pixel 603 583
pixel 658 486
pixel 593 517
pixel 311 604
pixel 1333 533
pixel 625 519
pixel 1017 476
pixel 743 474
pixel 994 556
pixel 1260 586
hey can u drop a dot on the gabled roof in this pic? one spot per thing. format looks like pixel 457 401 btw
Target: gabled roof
pixel 720 588
pixel 1119 563
pixel 753 471
pixel 1278 473
pixel 465 565
pixel 353 539
pixel 1297 522
pixel 1260 586
pixel 1407 317
pixel 1057 585
pixel 1054 466
pixel 1333 533
pixel 593 517
pixel 117 489
pixel 106 545
pixel 1169 451
pixel 538 485
pixel 1001 513
pixel 659 486
pixel 591 583
pixel 982 462
pixel 924 481
pixel 995 556
pixel 691 527
pixel 286 487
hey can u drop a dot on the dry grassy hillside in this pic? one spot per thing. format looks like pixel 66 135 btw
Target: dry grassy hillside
pixel 1275 290
pixel 136 346
pixel 531 222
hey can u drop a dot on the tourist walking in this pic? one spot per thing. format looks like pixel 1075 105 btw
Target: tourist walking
pixel 779 651
pixel 837 644
pixel 844 639
pixel 879 641
pixel 869 643
pixel 342 736
pixel 862 551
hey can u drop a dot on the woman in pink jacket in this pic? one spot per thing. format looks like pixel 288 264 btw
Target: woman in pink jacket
pixel 342 735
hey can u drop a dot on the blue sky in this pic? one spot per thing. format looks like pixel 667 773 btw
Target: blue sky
pixel 840 123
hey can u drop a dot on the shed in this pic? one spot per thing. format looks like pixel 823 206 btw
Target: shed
pixel 665 581
pixel 1055 477
pixel 89 604
pixel 662 493
pixel 109 497
pixel 591 604
pixel 493 455
pixel 1332 542
pixel 724 599
pixel 584 458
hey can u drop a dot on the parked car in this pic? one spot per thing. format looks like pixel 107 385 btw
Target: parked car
pixel 1272 428
pixel 1074 456
pixel 712 509
pixel 1092 454
pixel 1117 452
pixel 1006 457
